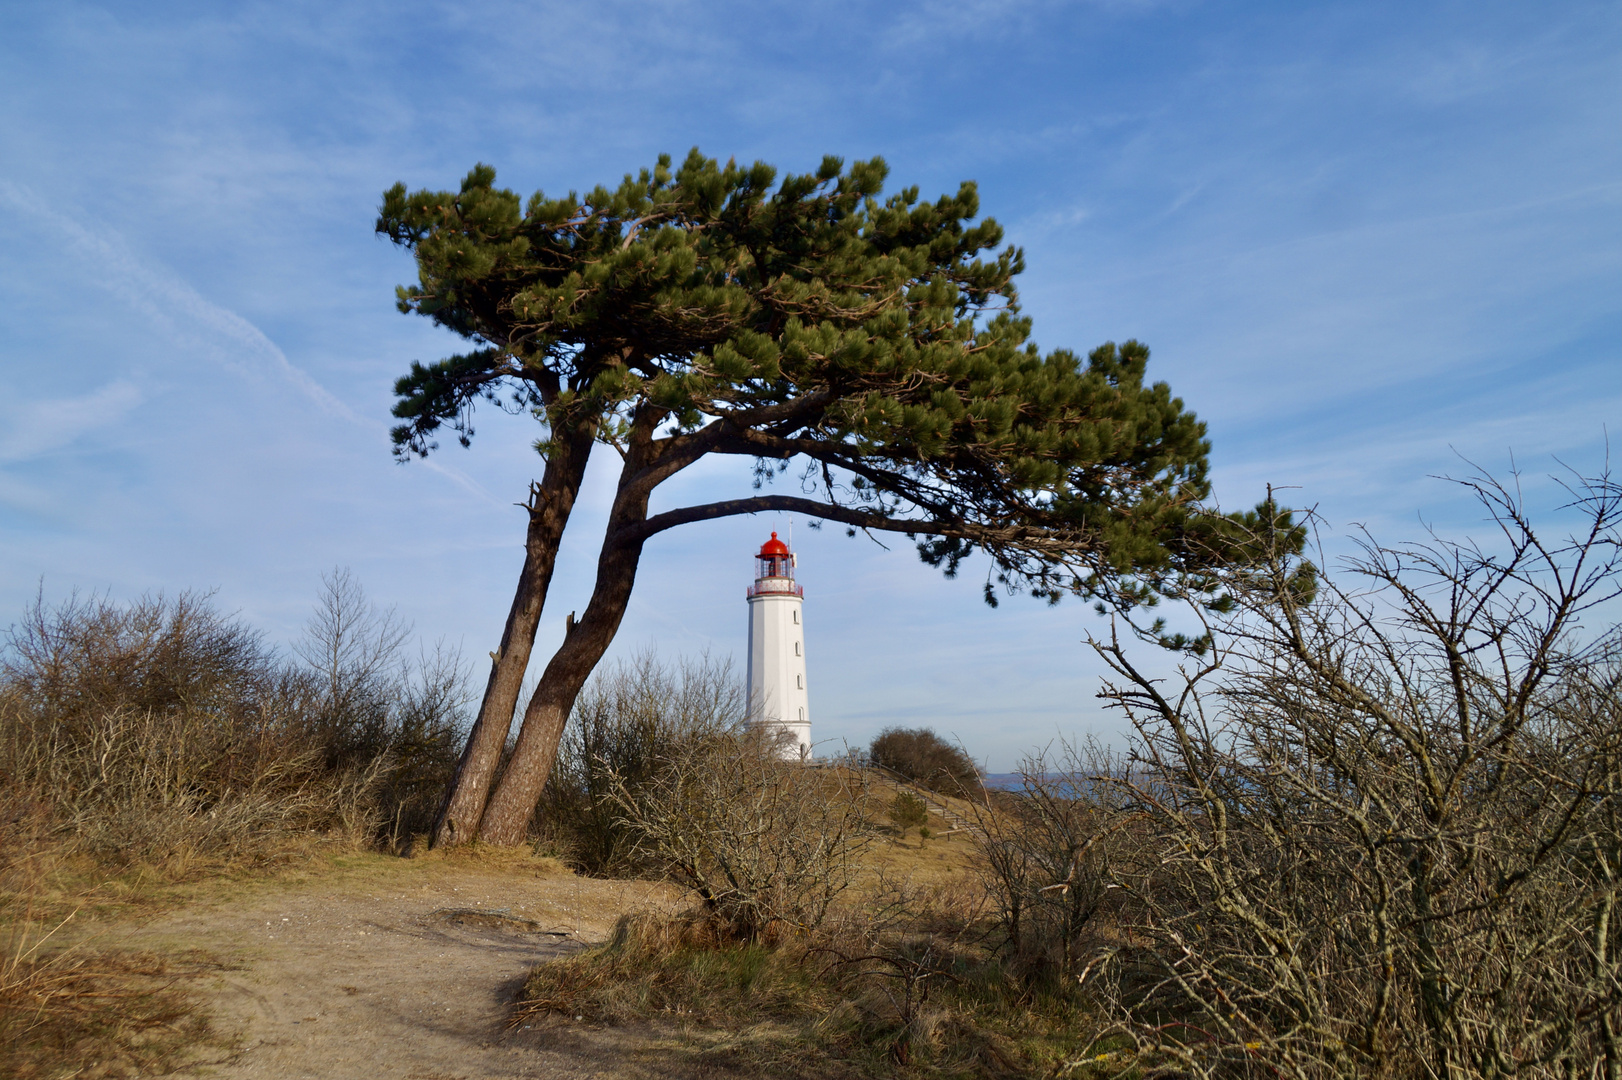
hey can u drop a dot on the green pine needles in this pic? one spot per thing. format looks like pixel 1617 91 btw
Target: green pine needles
pixel 876 341
pixel 872 343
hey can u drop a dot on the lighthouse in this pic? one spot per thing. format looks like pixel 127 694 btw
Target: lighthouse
pixel 777 697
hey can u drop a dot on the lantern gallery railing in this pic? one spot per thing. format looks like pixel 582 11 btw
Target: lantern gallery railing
pixel 776 586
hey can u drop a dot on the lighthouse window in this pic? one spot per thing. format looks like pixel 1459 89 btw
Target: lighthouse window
pixel 799 682
pixel 802 716
pixel 796 648
pixel 796 618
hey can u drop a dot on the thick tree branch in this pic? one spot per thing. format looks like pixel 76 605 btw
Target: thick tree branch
pixel 671 455
pixel 990 535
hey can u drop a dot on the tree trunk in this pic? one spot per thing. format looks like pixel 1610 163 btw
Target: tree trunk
pixel 506 821
pixel 549 508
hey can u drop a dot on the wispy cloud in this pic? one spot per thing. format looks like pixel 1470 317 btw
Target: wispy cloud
pixel 1359 237
pixel 166 299
pixel 948 21
pixel 32 428
pixel 188 319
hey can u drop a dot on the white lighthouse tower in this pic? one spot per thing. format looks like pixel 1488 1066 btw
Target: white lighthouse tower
pixel 777 649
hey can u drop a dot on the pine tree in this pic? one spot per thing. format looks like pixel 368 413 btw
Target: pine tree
pixel 872 342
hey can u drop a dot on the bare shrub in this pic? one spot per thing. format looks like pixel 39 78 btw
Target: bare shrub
pixel 148 727
pixel 627 726
pixel 925 758
pixel 1047 855
pixel 766 845
pixel 162 731
pixel 899 949
pixel 374 713
pixel 1385 818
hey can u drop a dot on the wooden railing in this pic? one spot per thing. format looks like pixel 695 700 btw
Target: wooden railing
pixel 889 778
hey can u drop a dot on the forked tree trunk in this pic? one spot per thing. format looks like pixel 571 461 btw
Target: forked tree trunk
pixel 506 820
pixel 463 808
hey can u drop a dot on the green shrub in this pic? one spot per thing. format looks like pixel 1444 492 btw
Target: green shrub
pixel 925 758
pixel 908 810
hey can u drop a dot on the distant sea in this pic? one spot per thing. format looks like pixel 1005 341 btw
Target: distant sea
pixel 1011 781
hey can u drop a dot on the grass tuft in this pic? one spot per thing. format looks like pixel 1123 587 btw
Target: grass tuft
pixel 674 967
pixel 79 1012
pixel 831 1006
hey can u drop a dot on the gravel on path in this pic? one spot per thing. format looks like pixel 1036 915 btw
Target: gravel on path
pixel 403 971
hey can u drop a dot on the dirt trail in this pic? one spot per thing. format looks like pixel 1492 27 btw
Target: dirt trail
pixel 401 968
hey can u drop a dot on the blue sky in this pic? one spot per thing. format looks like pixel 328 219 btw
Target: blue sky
pixel 1363 240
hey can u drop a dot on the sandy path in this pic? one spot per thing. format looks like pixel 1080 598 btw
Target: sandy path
pixel 362 973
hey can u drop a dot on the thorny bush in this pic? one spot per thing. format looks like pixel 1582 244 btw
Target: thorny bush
pixel 1383 817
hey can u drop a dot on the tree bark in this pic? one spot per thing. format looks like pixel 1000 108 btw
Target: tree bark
pixel 648 463
pixel 506 820
pixel 464 805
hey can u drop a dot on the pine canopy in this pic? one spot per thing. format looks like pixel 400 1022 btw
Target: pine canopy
pixel 874 342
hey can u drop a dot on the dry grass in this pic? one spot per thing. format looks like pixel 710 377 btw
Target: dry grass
pixel 70 1004
pixel 905 976
pixel 85 1012
pixel 925 998
pixel 476 855
pixel 158 743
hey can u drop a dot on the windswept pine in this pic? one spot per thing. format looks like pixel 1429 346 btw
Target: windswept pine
pixel 873 342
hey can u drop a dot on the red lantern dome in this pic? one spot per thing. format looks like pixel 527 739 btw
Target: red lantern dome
pixel 774 570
